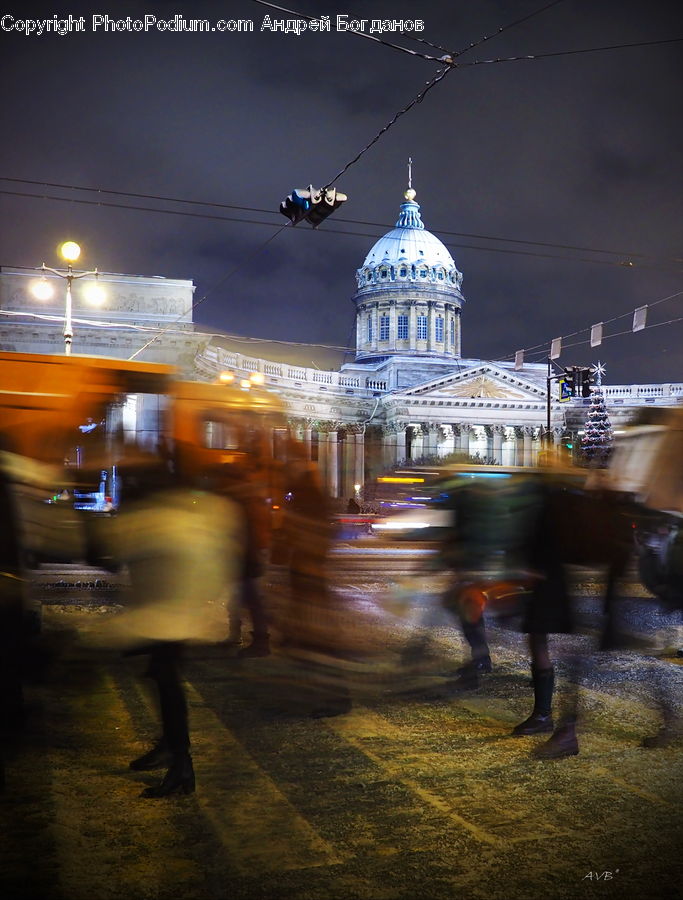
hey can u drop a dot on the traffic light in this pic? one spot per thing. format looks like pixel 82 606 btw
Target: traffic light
pixel 324 204
pixel 297 205
pixel 313 205
pixel 568 384
pixel 586 380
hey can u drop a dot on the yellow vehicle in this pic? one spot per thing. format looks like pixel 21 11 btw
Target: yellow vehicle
pixel 68 422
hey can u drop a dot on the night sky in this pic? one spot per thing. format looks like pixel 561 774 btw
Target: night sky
pixel 517 160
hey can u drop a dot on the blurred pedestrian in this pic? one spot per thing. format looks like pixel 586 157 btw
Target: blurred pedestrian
pixel 484 549
pixel 310 628
pixel 247 485
pixel 183 550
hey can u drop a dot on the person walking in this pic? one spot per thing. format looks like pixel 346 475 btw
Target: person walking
pixel 183 549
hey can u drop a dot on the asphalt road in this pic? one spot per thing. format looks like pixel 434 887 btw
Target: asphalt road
pixel 418 792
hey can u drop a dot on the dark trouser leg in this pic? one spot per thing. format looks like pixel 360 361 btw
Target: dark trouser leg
pixel 164 669
pixel 252 600
pixel 475 635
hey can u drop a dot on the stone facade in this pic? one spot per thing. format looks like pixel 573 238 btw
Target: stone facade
pixel 408 395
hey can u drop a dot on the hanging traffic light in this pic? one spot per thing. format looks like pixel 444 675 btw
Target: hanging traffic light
pixel 297 205
pixel 324 204
pixel 313 205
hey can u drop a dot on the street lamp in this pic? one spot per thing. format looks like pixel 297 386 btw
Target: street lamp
pixel 43 290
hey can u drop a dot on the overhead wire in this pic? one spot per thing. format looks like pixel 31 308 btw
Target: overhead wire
pixel 625 257
pixel 370 37
pixel 498 31
pixel 438 77
pixel 254 209
pixel 213 287
pixel 500 59
pixel 542 349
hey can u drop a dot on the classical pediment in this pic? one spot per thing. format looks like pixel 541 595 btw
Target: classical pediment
pixel 488 382
pixel 483 386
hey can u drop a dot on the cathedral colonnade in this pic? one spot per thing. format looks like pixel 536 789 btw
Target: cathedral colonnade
pixel 345 453
pixel 338 450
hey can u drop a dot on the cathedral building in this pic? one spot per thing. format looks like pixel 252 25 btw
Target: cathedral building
pixel 408 395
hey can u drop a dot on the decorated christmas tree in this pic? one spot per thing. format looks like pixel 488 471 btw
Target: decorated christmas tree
pixel 596 444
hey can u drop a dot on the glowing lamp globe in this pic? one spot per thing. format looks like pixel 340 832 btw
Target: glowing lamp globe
pixel 94 294
pixel 70 251
pixel 42 290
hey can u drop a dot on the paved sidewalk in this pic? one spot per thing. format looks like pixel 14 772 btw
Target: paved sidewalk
pixel 416 793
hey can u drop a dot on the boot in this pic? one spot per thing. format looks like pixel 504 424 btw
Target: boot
pixel 481 665
pixel 260 646
pixel 468 675
pixel 178 780
pixel 156 758
pixel 540 721
pixel 562 743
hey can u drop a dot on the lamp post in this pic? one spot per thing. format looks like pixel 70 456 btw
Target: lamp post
pixel 43 290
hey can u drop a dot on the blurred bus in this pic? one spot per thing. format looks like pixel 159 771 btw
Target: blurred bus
pixel 68 422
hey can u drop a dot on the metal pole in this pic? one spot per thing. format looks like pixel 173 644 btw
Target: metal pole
pixel 547 405
pixel 68 327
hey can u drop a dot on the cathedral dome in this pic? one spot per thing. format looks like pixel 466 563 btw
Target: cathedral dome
pixel 408 298
pixel 409 255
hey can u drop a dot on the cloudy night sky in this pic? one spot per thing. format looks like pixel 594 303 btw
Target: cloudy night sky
pixel 555 182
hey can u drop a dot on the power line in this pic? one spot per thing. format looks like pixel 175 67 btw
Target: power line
pixel 213 287
pixel 440 75
pixel 544 352
pixel 370 37
pixel 482 62
pixel 505 28
pixel 626 258
pixel 624 254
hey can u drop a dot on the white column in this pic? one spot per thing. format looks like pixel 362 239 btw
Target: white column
pixel 498 432
pixel 359 458
pixel 527 434
pixel 333 464
pixel 464 446
pixel 307 441
pixel 322 457
pixel 401 443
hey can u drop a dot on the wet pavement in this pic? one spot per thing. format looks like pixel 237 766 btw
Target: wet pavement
pixel 418 791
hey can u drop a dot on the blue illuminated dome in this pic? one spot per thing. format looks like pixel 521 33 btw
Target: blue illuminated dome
pixel 408 297
pixel 409 253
